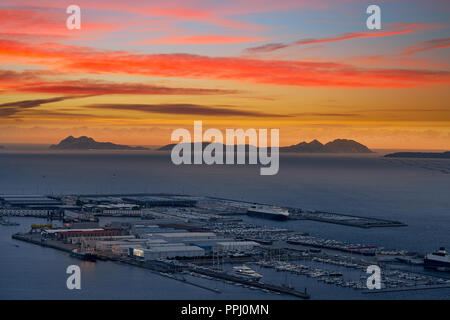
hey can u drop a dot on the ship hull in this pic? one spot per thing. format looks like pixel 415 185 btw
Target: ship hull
pixel 84 256
pixel 267 215
pixel 247 276
pixel 435 264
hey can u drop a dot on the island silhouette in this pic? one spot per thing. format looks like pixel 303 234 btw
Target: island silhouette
pixel 87 143
pixel 315 146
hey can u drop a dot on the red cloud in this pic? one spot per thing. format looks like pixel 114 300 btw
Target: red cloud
pixel 276 72
pixel 218 13
pixel 38 22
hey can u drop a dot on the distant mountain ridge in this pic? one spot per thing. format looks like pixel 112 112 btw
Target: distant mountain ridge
pixel 427 155
pixel 335 146
pixel 87 143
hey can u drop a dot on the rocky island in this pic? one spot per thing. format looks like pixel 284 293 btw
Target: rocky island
pixel 335 146
pixel 87 143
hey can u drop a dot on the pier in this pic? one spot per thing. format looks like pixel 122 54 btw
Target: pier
pixel 343 219
pixel 48 243
pixel 228 277
pixel 407 289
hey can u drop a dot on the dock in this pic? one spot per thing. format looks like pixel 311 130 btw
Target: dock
pixel 50 244
pixel 407 289
pixel 343 219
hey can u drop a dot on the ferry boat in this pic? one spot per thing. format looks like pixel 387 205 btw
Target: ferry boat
pixel 246 272
pixel 439 260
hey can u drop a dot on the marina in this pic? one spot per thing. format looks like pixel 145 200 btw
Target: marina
pixel 180 238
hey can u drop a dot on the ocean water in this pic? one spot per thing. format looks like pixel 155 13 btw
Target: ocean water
pixel 416 192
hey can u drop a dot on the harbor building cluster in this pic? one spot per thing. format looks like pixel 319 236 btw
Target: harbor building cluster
pixel 216 239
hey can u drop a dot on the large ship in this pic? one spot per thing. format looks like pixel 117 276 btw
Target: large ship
pixel 268 212
pixel 246 272
pixel 439 260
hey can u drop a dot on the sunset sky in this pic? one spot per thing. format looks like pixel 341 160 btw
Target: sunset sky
pixel 139 69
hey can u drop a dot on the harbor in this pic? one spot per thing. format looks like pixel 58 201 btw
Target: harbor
pixel 183 238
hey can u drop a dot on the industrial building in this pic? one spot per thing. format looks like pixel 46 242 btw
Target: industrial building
pixel 66 234
pixel 29 201
pixel 160 201
pixel 183 236
pixel 26 212
pixel 111 245
pixel 208 246
pixel 148 230
pixel 231 246
pixel 168 251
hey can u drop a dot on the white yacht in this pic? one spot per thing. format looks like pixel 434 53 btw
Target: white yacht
pixel 244 271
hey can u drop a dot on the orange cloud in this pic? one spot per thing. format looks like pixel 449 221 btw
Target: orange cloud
pixel 38 23
pixel 217 13
pixel 276 72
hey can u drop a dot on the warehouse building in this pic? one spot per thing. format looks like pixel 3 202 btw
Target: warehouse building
pixel 108 245
pixel 123 249
pixel 29 201
pixel 67 234
pixel 168 252
pixel 19 212
pixel 225 245
pixel 183 236
pixel 150 229
pixel 159 201
pixel 208 246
